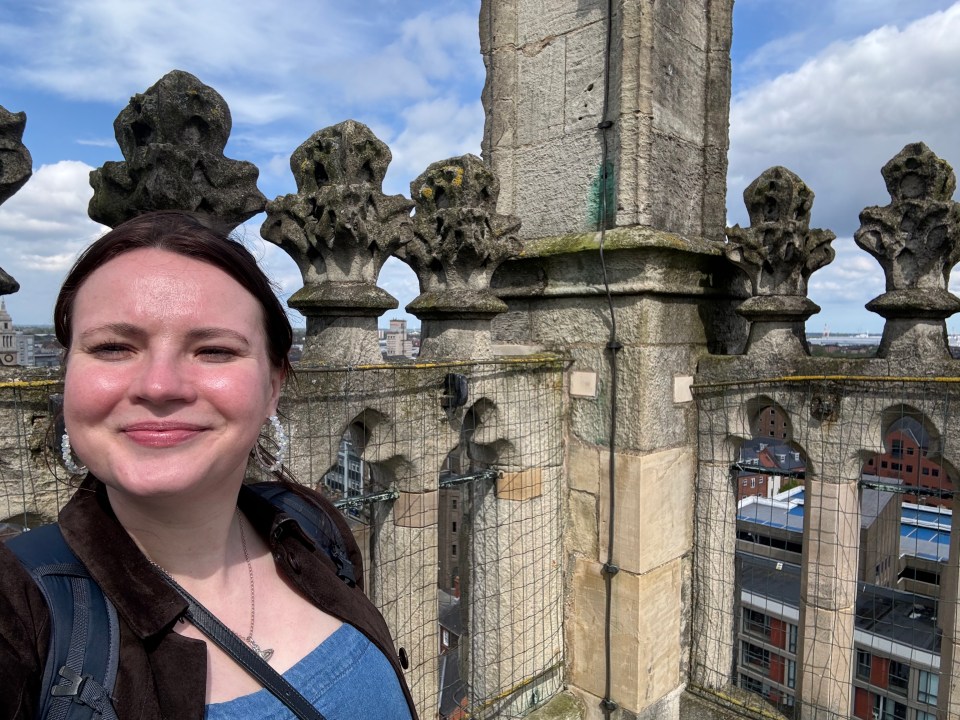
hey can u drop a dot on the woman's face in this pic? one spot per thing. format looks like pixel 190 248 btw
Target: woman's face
pixel 168 381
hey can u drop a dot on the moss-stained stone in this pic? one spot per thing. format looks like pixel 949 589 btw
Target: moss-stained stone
pixel 562 707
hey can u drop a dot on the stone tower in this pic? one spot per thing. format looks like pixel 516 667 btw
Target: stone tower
pixel 613 115
pixel 659 74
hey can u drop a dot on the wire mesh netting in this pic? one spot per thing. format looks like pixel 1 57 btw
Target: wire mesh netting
pixel 450 476
pixel 823 530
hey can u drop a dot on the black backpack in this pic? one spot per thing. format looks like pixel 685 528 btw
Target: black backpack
pixel 84 650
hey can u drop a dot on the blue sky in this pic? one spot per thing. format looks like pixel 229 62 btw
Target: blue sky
pixel 831 89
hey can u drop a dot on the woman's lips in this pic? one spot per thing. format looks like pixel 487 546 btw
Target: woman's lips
pixel 161 434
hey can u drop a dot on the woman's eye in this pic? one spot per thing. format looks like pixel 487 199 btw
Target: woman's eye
pixel 216 354
pixel 110 351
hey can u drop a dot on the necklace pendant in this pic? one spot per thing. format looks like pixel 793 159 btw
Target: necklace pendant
pixel 265 655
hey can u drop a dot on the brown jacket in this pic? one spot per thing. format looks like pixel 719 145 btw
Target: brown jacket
pixel 162 674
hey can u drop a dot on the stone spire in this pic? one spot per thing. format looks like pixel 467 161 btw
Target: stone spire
pixel 458 241
pixel 778 252
pixel 172 138
pixel 916 240
pixel 340 228
pixel 16 167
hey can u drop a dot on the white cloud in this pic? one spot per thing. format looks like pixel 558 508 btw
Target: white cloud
pixel 433 130
pixel 838 118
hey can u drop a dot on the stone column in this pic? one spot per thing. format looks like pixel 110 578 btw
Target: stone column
pixel 340 228
pixel 15 169
pixel 831 540
pixel 458 241
pixel 778 252
pixel 172 137
pixel 515 627
pixel 916 240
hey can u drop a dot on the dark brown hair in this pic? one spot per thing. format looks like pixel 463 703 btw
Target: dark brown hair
pixel 193 236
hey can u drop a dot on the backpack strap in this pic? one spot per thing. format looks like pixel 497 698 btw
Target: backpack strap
pixel 84 649
pixel 314 520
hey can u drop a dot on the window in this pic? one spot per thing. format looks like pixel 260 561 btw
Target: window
pixel 792 638
pixel 454 526
pixel 453 549
pixel 791 674
pixel 894 466
pixel 921 715
pixel 884 463
pixel 863 664
pixel 935 472
pixel 756 656
pixel 753 482
pixel 756 623
pixel 927 687
pixel 899 677
pixel 925 471
pixel 909 468
pixel 454 504
pixel 910 450
pixel 896 449
pixel 887 709
pixel 748 683
pixel 744 483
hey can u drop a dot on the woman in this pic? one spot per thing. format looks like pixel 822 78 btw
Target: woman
pixel 176 351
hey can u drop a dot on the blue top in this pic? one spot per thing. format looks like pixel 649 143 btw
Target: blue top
pixel 345 677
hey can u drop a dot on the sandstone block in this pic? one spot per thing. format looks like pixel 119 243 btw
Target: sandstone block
pixel 645 634
pixel 654 508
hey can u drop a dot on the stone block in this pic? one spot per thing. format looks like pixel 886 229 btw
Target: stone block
pixel 541 83
pixel 415 510
pixel 582 532
pixel 519 486
pixel 679 109
pixel 583 467
pixel 539 20
pixel 649 419
pixel 558 191
pixel 654 508
pixel 677 173
pixel 583 93
pixel 645 636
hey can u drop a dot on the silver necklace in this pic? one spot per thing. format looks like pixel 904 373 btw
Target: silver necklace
pixel 267 653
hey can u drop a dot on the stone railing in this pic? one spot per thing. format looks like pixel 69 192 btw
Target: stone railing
pixel 866 433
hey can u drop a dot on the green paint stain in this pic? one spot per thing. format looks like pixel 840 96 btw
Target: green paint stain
pixel 602 202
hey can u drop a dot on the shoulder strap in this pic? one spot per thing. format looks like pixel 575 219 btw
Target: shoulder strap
pixel 314 520
pixel 245 657
pixel 84 649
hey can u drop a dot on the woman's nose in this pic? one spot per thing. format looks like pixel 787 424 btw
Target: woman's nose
pixel 163 378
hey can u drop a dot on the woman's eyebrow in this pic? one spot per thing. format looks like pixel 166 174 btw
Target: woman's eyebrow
pixel 216 333
pixel 127 330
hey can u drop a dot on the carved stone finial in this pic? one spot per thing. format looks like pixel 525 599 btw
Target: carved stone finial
pixel 458 242
pixel 172 138
pixel 916 240
pixel 340 228
pixel 778 252
pixel 16 167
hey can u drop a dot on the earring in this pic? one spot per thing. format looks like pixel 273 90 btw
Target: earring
pixel 272 463
pixel 69 463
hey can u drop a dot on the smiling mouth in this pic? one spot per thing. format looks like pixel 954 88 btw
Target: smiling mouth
pixel 160 436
